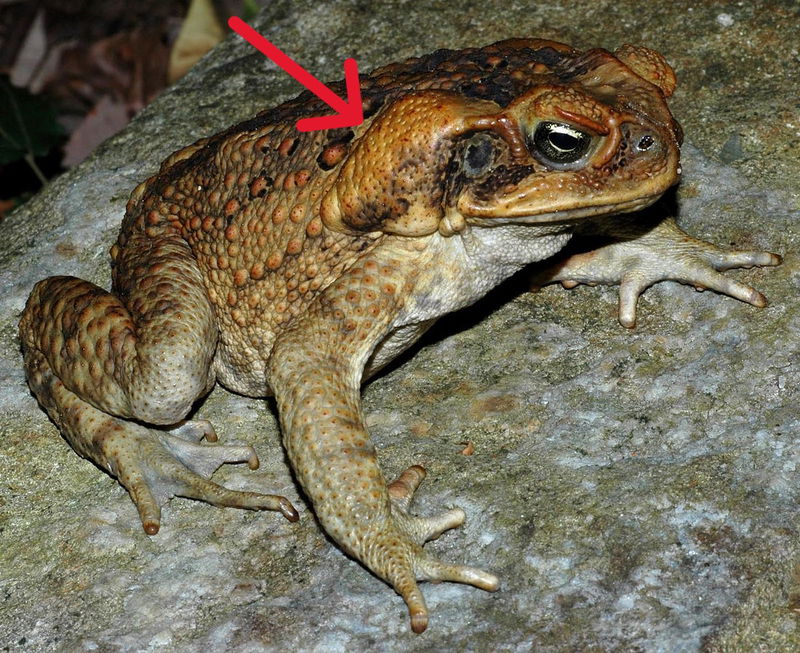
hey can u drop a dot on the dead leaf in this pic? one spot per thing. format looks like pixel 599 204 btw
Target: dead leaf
pixel 129 68
pixel 200 32
pixel 106 118
pixel 6 207
pixel 31 53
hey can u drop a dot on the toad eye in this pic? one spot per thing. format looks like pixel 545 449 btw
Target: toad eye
pixel 558 144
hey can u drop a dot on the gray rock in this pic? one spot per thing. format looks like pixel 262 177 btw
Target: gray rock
pixel 635 490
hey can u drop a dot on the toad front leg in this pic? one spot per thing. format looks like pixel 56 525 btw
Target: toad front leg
pixel 315 371
pixel 642 254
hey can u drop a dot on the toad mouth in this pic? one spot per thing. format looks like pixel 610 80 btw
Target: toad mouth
pixel 568 215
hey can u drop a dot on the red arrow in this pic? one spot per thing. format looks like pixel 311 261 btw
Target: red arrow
pixel 348 114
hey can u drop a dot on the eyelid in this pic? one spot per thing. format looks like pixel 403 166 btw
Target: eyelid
pixel 584 121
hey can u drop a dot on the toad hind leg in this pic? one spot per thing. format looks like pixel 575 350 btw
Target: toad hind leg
pixel 315 371
pixel 100 374
pixel 153 465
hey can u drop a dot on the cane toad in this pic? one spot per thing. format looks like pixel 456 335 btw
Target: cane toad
pixel 297 264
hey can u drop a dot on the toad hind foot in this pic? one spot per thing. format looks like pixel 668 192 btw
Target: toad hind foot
pixel 155 466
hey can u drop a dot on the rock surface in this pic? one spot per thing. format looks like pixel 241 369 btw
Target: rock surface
pixel 635 490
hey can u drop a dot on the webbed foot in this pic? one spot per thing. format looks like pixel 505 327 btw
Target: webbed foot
pixel 155 465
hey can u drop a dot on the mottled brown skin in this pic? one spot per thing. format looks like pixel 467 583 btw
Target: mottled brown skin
pixel 297 264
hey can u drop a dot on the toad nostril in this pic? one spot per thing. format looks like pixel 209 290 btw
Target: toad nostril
pixel 645 143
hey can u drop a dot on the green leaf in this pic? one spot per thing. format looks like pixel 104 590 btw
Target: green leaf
pixel 250 9
pixel 28 126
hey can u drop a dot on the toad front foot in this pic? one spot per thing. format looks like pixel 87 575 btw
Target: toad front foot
pixel 395 550
pixel 641 256
pixel 155 465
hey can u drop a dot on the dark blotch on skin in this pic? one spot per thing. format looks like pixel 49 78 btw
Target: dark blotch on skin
pixel 472 158
pixel 501 176
pixel 432 61
pixel 371 105
pixel 341 137
pixel 496 89
pixel 547 56
pixel 478 156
